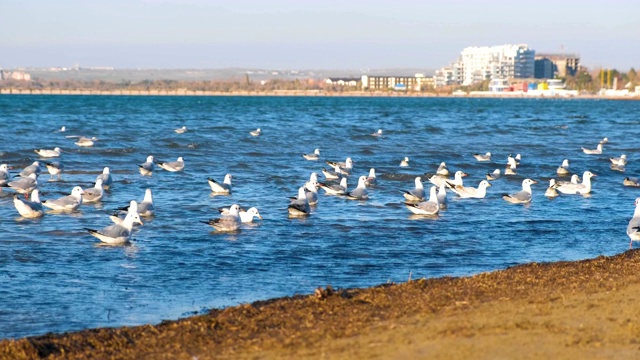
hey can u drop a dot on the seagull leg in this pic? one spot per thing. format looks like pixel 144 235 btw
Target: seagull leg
pixel 630 246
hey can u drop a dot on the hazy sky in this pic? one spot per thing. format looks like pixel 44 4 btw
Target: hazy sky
pixel 308 34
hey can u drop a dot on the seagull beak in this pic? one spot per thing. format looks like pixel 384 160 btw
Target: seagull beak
pixel 259 217
pixel 140 222
pixel 533 181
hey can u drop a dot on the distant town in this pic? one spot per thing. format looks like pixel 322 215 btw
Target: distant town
pixel 503 70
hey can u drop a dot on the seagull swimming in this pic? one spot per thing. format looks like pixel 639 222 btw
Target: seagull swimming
pixel 256 132
pixel 230 222
pixel 404 162
pixel 622 160
pixel 417 193
pixel 471 192
pixel 442 196
pixel 377 133
pixel 335 189
pixel 551 190
pixel 29 209
pixel 85 141
pixel 341 167
pixel 494 175
pixel 47 153
pixel 4 175
pixel 360 192
pixel 457 179
pixel 173 166
pixel 299 207
pixel 224 188
pixel 582 188
pixel 133 209
pixel 575 179
pixel 181 130
pixel 312 157
pixel 633 229
pixel 596 151
pixel 146 169
pixel 146 207
pixel 332 175
pixel 631 181
pixel 94 194
pixel 117 234
pixel 563 170
pixel 312 192
pixel 430 207
pixel 66 203
pixel 245 216
pixel 483 157
pixel 371 179
pixel 523 196
pixel 442 169
pixel 106 178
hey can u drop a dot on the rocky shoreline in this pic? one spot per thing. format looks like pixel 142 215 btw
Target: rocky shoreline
pixel 584 309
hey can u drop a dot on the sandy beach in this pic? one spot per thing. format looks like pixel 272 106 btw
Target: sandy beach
pixel 584 309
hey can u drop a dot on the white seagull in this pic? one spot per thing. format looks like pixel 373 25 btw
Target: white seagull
pixel 494 175
pixel 563 170
pixel 551 190
pixel 146 169
pixel 173 166
pixel 417 193
pixel 66 203
pixel 4 175
pixel 619 160
pixel 582 188
pixel 633 229
pixel 94 194
pixel 24 185
pixel 483 157
pixel 132 209
pixel 106 178
pixel 335 189
pixel 430 207
pixel 523 196
pixel 371 179
pixel 377 133
pixel 442 169
pixel 596 151
pixel 360 192
pixel 230 222
pixel 146 207
pixel 54 168
pixel 224 188
pixel 404 162
pixel 245 216
pixel 181 130
pixel 256 132
pixel 117 234
pixel 85 141
pixel 29 209
pixel 471 192
pixel 299 207
pixel 34 168
pixel 47 153
pixel 312 157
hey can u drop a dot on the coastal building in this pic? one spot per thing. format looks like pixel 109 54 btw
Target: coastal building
pixel 342 81
pixel 15 75
pixel 477 64
pixel 417 82
pixel 550 66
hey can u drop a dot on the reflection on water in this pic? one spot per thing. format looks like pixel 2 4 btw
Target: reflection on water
pixel 54 276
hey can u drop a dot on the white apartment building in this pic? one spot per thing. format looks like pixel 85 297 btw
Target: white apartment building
pixel 489 62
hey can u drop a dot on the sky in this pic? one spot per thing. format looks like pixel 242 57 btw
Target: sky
pixel 308 34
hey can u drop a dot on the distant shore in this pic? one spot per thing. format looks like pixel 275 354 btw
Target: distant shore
pixel 309 93
pixel 583 309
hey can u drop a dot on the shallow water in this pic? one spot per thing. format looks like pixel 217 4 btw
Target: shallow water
pixel 54 276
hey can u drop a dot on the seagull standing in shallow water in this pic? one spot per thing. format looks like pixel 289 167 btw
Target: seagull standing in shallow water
pixel 633 229
pixel 117 234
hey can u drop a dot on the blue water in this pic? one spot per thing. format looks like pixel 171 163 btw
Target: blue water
pixel 54 277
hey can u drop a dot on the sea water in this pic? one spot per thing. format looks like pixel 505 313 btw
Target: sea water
pixel 55 277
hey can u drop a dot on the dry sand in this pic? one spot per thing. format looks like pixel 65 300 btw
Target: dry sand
pixel 566 310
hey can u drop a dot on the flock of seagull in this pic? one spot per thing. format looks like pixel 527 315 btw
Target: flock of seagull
pixel 416 200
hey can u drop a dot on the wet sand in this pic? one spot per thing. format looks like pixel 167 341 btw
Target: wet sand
pixel 581 310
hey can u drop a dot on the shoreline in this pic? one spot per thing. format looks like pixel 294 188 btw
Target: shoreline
pixel 304 93
pixel 584 309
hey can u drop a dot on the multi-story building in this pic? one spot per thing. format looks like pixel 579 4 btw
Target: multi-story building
pixel 549 66
pixel 417 82
pixel 477 64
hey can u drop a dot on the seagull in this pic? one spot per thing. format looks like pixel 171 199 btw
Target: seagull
pixel 404 162
pixel 146 207
pixel 619 160
pixel 146 169
pixel 442 169
pixel 438 180
pixel 510 170
pixel 633 229
pixel 29 209
pixel 256 132
pixel 377 133
pixel 371 179
pixel 563 170
pixel 34 168
pixel 416 194
pixel 173 166
pixel 117 234
pixel 4 175
pixel 511 161
pixel 342 167
pixel 312 192
pixel 604 140
pixel 429 208
pixel 230 222
pixel 360 192
pixel 575 179
pixel 24 185
pixel 483 158
pixel 132 209
pixel 523 196
pixel 54 168
pixel 495 175
pixel 106 178
pixel 619 166
pixel 596 151
pixel 94 194
pixel 457 179
pixel 551 190
pixel 582 188
pixel 66 203
pixel 245 216
pixel 631 181
pixel 224 188
pixel 332 175
pixel 312 157
pixel 442 196
pixel 471 192
pixel 181 130
pixel 47 153
pixel 299 207
pixel 335 189
pixel 62 129
pixel 85 141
